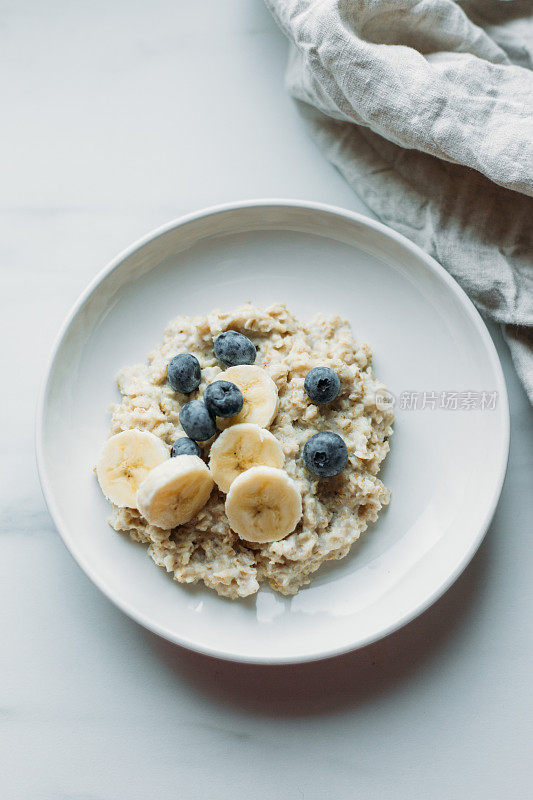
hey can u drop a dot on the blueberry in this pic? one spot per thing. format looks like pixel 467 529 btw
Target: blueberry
pixel 325 454
pixel 184 447
pixel 322 385
pixel 233 348
pixel 223 399
pixel 183 373
pixel 196 421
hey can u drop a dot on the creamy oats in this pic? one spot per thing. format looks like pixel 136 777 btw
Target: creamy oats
pixel 335 510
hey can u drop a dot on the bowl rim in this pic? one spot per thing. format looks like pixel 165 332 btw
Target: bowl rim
pixel 138 616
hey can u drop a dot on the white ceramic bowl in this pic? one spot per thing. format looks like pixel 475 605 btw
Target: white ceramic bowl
pixel 445 469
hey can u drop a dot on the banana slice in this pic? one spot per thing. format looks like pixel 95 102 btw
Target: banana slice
pixel 126 460
pixel 175 491
pixel 260 395
pixel 240 447
pixel 263 504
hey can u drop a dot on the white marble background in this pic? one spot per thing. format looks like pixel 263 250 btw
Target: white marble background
pixel 115 117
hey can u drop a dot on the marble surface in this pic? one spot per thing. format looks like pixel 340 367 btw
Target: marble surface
pixel 117 117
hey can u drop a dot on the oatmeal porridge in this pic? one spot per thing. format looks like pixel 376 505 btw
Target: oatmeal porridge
pixel 246 449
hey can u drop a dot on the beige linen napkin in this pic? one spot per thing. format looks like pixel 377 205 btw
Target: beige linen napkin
pixel 427 109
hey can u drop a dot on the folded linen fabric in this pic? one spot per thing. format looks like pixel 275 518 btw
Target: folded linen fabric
pixel 426 107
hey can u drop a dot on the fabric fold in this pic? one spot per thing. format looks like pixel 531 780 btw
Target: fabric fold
pixel 426 108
